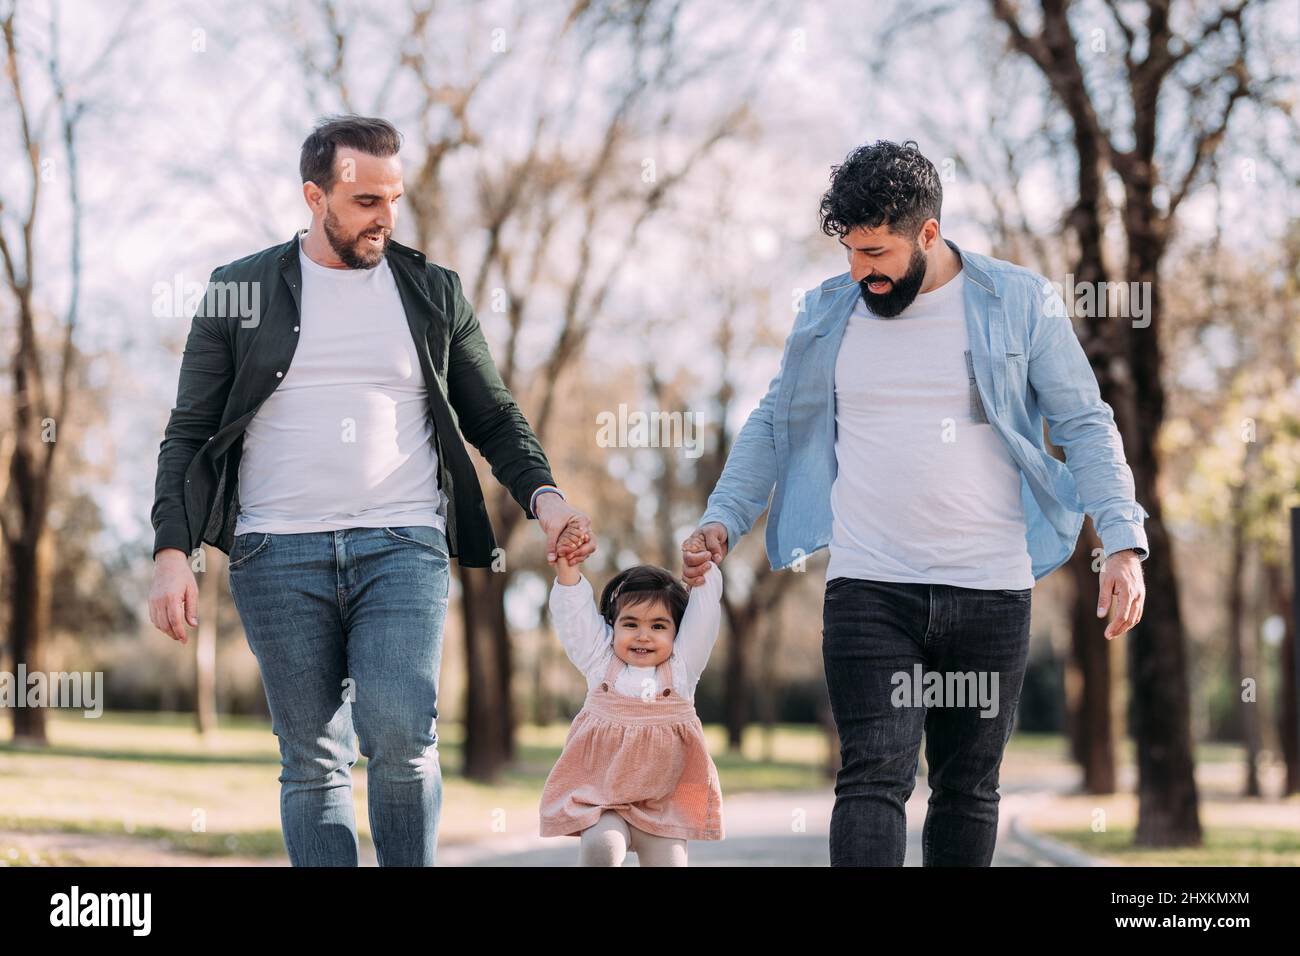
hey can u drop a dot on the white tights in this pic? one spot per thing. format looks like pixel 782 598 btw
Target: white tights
pixel 608 841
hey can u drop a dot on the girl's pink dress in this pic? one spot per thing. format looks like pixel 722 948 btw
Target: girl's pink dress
pixel 643 758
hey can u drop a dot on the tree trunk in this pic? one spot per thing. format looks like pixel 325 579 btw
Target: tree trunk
pixel 487 719
pixel 1245 723
pixel 1167 799
pixel 505 655
pixel 767 699
pixel 28 613
pixel 205 648
pixel 736 692
pixel 1280 599
pixel 1093 738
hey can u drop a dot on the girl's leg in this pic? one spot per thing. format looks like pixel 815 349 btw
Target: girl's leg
pixel 605 842
pixel 654 850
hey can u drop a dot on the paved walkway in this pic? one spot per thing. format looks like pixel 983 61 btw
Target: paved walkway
pixel 769 829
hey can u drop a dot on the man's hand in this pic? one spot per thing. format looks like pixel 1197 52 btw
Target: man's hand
pixel 174 598
pixel 1121 579
pixel 706 542
pixel 555 514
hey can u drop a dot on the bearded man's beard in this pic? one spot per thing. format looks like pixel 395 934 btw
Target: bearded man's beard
pixel 357 252
pixel 901 292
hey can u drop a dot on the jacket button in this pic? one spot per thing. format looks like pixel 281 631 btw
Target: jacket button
pixel 667 691
pixel 604 685
pixel 295 328
pixel 279 375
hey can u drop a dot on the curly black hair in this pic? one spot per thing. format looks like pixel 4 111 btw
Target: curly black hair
pixel 639 584
pixel 884 182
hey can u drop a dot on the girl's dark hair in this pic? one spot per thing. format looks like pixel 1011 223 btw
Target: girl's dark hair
pixel 882 184
pixel 640 584
pixel 366 134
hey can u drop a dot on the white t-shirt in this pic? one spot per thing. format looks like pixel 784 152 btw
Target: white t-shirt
pixel 346 439
pixel 588 640
pixel 925 490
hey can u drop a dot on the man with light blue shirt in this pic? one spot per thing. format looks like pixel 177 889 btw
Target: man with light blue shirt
pixel 904 432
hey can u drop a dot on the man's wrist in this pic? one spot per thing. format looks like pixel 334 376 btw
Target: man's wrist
pixel 539 492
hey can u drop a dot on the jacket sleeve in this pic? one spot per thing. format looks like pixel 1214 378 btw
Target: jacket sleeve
pixel 486 412
pixel 1083 425
pixel 207 371
pixel 744 489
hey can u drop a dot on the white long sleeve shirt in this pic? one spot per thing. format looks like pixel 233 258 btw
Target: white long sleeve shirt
pixel 589 641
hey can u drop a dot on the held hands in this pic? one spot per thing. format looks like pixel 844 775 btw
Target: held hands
pixel 555 515
pixel 707 543
pixel 1121 579
pixel 570 541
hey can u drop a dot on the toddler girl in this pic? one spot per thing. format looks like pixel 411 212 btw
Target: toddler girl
pixel 635 773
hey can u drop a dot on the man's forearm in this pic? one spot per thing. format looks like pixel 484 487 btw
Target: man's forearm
pixel 1082 424
pixel 744 489
pixel 489 417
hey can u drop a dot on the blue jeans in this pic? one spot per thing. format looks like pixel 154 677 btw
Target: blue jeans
pixel 347 630
pixel 875 635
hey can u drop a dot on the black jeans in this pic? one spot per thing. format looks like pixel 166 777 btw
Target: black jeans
pixel 879 639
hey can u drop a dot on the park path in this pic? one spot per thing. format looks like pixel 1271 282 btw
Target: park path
pixel 762 829
pixel 777 829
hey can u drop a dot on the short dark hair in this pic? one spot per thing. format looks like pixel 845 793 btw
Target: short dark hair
pixel 639 585
pixel 368 134
pixel 884 182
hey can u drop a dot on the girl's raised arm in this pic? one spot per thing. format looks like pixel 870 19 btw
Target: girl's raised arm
pixel 583 633
pixel 700 623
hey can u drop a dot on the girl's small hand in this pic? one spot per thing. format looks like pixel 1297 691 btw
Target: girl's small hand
pixel 571 534
pixel 704 568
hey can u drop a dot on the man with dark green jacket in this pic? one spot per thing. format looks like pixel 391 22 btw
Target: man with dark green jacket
pixel 317 440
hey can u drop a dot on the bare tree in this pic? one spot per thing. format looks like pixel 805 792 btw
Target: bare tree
pixel 1157 172
pixel 40 407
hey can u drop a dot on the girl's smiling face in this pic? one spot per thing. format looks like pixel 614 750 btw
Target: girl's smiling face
pixel 643 633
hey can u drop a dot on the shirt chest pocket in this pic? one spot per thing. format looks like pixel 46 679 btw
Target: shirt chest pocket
pixel 1017 375
pixel 977 412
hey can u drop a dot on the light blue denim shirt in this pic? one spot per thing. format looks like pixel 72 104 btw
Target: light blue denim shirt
pixel 1028 366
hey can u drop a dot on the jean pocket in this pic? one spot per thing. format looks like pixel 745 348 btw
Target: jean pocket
pixel 834 583
pixel 423 536
pixel 977 413
pixel 247 546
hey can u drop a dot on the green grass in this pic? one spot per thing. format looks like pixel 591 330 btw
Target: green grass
pixel 152 777
pixel 1222 846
